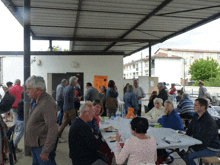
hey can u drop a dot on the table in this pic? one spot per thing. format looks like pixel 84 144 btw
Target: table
pixel 158 133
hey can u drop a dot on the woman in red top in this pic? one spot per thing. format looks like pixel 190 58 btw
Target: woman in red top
pixel 98 110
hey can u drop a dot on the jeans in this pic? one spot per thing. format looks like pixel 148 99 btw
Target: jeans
pixel 60 116
pixel 20 129
pixel 189 157
pixel 36 151
pixel 15 117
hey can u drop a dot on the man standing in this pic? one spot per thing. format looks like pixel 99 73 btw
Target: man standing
pixel 9 85
pixel 91 93
pixel 202 89
pixel 59 99
pixel 41 127
pixel 83 144
pixel 68 107
pixel 204 128
pixel 162 92
pixel 140 94
pixel 16 91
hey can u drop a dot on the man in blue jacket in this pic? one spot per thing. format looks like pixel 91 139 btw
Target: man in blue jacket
pixel 204 128
pixel 68 106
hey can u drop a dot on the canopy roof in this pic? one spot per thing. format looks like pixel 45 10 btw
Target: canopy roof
pixel 114 25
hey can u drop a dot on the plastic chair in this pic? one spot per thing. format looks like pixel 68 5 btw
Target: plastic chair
pixel 12 154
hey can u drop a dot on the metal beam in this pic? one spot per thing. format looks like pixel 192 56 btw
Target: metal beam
pixel 50 45
pixel 96 39
pixel 157 9
pixel 62 53
pixel 149 59
pixel 77 22
pixel 27 68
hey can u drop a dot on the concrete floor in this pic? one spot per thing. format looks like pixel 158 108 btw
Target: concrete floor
pixel 62 153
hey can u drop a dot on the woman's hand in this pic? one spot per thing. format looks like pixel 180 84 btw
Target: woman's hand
pixel 118 136
pixel 166 111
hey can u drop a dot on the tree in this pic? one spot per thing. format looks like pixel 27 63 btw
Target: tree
pixel 58 48
pixel 202 69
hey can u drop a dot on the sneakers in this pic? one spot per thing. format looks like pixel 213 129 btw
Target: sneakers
pixel 61 140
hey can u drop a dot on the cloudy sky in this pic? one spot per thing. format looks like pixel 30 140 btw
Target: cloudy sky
pixel 206 37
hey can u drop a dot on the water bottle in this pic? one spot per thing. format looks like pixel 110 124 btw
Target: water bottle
pixel 123 113
pixel 118 116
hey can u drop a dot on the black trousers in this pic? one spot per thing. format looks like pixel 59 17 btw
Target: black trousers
pixel 139 110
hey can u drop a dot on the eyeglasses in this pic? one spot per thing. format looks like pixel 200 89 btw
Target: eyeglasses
pixel 91 112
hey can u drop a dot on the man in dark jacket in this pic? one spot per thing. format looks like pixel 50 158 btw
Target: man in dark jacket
pixel 162 92
pixel 83 144
pixel 204 128
pixel 68 107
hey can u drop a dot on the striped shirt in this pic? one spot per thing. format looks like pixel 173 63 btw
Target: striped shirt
pixel 186 106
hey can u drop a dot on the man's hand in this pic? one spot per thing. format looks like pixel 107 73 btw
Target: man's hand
pixel 97 137
pixel 79 98
pixel 44 157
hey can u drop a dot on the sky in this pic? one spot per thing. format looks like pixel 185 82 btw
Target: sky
pixel 206 37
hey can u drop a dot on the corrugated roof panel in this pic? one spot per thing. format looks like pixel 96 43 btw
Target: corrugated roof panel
pixel 147 35
pixel 53 32
pixel 64 4
pixel 129 6
pixel 105 20
pixel 100 33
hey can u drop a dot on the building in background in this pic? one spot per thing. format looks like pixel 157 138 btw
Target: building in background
pixel 168 64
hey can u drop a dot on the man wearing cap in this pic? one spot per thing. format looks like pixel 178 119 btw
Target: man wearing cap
pixel 59 99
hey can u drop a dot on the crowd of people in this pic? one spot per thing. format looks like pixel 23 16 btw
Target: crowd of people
pixel 45 126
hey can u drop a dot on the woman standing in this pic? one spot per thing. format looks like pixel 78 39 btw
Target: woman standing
pixel 102 97
pixel 111 99
pixel 131 100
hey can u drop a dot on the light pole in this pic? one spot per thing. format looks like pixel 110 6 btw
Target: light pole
pixel 184 62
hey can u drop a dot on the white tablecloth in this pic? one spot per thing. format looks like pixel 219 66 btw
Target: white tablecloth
pixel 158 133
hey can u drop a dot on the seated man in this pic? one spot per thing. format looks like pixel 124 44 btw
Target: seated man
pixel 185 107
pixel 83 144
pixel 203 128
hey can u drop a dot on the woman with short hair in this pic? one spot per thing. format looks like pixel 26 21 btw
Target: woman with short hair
pixel 157 111
pixel 151 100
pixel 113 93
pixel 131 100
pixel 139 149
pixel 179 93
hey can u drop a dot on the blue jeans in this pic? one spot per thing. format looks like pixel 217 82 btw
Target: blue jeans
pixel 36 151
pixel 189 158
pixel 60 116
pixel 20 129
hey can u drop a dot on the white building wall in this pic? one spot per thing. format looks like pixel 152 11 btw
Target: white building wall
pixel 111 66
pixel 168 70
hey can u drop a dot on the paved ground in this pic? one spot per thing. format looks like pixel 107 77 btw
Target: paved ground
pixel 62 157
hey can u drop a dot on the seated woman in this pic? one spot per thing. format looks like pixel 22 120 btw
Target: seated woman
pixel 215 101
pixel 157 111
pixel 171 118
pixel 131 100
pixel 178 98
pixel 185 107
pixel 151 100
pixel 211 110
pixel 139 149
pixel 208 96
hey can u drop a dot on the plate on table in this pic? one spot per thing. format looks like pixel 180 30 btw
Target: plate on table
pixel 110 129
pixel 112 137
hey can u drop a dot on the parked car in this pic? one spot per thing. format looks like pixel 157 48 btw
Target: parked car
pixel 190 82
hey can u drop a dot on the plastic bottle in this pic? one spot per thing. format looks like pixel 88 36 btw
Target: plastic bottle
pixel 123 113
pixel 118 116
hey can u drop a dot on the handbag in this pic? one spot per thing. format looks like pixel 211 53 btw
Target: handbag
pixel 111 103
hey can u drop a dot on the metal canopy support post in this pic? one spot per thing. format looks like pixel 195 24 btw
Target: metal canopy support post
pixel 50 46
pixel 149 59
pixel 26 21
